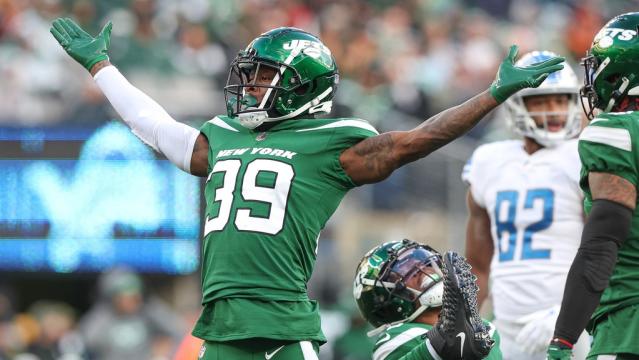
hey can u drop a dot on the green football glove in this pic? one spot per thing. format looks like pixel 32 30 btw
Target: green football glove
pixel 84 48
pixel 557 351
pixel 511 78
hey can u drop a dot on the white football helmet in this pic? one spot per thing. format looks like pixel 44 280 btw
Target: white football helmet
pixel 560 82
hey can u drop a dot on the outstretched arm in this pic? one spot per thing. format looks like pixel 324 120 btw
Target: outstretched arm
pixel 375 158
pixel 607 226
pixel 183 145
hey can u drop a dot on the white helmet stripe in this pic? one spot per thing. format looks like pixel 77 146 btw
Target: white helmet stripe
pixel 276 78
pixel 601 67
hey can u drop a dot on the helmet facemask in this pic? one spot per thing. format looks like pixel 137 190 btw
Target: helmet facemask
pixel 524 123
pixel 599 81
pixel 522 120
pixel 243 76
pixel 406 269
pixel 587 92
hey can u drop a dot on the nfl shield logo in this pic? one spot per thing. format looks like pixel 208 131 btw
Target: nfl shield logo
pixel 202 350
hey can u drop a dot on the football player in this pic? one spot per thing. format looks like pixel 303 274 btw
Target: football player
pixel 602 289
pixel 526 214
pixel 413 297
pixel 274 175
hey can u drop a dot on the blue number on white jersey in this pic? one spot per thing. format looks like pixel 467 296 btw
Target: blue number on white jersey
pixel 507 225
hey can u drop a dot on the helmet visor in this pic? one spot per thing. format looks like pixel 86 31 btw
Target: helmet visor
pixel 414 272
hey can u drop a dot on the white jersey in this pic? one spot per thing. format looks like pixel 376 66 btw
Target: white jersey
pixel 535 208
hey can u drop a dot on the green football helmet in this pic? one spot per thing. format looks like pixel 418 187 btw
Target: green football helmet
pixel 381 283
pixel 612 65
pixel 305 78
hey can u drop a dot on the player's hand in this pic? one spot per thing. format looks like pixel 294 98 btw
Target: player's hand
pixel 538 329
pixel 511 78
pixel 84 48
pixel 558 351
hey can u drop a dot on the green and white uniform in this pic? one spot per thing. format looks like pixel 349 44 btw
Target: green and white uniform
pixel 610 144
pixel 406 342
pixel 268 195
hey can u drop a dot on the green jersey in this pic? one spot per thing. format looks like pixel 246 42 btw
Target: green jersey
pixel 406 342
pixel 268 196
pixel 610 144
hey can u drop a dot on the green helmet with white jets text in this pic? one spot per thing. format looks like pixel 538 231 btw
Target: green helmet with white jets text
pixel 305 79
pixel 612 65
pixel 382 282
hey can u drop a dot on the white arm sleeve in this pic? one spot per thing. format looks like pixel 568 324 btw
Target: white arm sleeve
pixel 147 119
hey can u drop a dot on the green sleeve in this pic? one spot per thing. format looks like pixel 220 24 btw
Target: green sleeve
pixel 343 137
pixel 606 145
pixel 495 352
pixel 419 352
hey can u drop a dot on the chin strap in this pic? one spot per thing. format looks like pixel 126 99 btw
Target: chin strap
pixel 617 94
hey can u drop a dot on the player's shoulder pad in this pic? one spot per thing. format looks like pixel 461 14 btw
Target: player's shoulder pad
pixel 490 152
pixel 346 124
pixel 611 129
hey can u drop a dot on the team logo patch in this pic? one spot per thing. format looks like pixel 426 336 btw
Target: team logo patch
pixel 261 136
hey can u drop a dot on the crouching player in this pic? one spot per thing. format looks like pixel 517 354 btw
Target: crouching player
pixel 423 304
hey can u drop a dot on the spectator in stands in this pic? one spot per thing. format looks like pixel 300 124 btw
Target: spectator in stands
pixel 56 337
pixel 125 325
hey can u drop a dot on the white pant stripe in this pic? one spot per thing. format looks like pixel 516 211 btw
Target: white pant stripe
pixel 307 350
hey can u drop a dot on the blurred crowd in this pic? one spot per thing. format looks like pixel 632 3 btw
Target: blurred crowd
pixel 399 60
pixel 127 319
pixel 125 322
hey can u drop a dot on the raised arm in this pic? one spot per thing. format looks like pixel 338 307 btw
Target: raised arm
pixel 375 158
pixel 479 245
pixel 183 145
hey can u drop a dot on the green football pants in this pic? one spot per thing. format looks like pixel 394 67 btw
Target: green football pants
pixel 617 336
pixel 259 349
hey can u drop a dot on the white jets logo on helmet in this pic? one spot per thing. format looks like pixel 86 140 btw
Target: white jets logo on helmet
pixel 606 36
pixel 313 49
